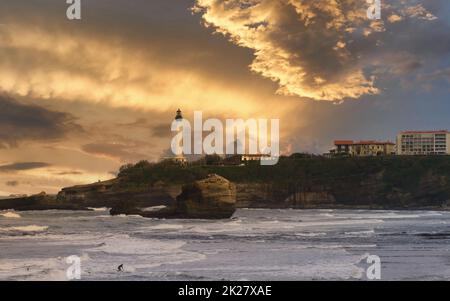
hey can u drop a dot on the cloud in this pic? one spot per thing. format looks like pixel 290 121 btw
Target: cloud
pixel 140 122
pixel 394 18
pixel 12 183
pixel 121 152
pixel 322 50
pixel 69 173
pixel 162 130
pixel 418 11
pixel 20 122
pixel 20 166
pixel 442 73
pixel 120 68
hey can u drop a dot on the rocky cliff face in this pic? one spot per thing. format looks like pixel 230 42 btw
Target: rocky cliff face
pixel 271 195
pixel 41 201
pixel 213 197
pixel 369 192
pixel 210 198
pixel 100 194
pixel 378 183
pixel 105 194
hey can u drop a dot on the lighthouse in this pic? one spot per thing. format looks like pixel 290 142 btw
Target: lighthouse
pixel 179 157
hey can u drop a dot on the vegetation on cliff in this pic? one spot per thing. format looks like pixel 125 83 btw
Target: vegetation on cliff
pixel 298 181
pixel 400 172
pixel 399 181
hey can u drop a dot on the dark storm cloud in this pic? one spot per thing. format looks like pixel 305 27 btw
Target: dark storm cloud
pixel 20 166
pixel 330 50
pixel 20 122
pixel 161 35
pixel 318 49
pixel 158 32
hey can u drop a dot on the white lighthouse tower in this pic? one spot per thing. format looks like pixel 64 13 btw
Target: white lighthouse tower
pixel 179 157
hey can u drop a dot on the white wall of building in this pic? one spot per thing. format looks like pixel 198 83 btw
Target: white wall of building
pixel 423 143
pixel 448 143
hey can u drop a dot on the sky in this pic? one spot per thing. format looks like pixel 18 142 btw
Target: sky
pixel 80 98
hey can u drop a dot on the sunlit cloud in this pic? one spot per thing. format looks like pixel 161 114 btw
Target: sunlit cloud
pixel 78 67
pixel 308 47
pixel 86 97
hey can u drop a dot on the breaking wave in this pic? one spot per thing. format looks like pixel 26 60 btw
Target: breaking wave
pixel 10 214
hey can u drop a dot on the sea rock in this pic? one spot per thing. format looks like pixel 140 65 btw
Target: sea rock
pixel 211 198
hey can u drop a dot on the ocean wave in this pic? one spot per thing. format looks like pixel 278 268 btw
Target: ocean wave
pixel 327 214
pixel 10 214
pixel 22 230
pixel 165 227
pixel 311 234
pixel 360 233
pixel 98 209
pixel 388 216
pixel 137 253
pixel 153 208
pixel 340 222
pixel 124 244
pixel 130 216
pixel 332 246
pixel 33 269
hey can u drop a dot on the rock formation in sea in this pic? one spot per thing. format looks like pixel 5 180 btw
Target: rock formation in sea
pixel 315 182
pixel 211 198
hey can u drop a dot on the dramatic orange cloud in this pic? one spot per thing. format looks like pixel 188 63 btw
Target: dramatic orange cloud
pixel 58 65
pixel 305 46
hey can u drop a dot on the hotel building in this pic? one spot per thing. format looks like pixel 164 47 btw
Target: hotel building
pixel 423 143
pixel 363 148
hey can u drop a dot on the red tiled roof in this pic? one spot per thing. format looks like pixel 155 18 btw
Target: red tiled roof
pixel 343 142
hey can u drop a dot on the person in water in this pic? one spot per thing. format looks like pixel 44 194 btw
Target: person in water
pixel 120 268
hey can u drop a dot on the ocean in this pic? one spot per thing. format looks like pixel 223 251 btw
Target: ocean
pixel 256 244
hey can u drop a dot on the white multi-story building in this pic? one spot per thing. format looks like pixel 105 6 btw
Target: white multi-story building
pixel 423 143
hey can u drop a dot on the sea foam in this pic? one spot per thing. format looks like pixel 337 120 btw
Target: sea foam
pixel 10 214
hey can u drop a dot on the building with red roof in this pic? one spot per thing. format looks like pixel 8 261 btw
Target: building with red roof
pixel 363 148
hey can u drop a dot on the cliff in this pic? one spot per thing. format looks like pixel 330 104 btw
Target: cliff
pixel 376 183
pixel 211 198
pixel 41 201
pixel 109 194
pixel 392 182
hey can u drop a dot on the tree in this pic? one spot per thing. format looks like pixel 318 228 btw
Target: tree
pixel 213 159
